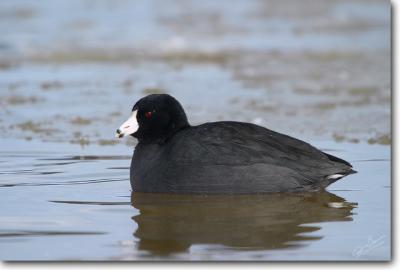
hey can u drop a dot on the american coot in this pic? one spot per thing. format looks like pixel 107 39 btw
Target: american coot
pixel 220 157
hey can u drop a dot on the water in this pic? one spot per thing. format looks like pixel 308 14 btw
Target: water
pixel 61 202
pixel 70 73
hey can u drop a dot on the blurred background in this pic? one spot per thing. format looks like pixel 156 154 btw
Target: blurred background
pixel 70 71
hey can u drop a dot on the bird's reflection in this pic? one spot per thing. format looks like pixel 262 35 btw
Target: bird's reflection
pixel 172 223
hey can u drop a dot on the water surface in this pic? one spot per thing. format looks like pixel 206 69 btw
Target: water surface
pixel 69 203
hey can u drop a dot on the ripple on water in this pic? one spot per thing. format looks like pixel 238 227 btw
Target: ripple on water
pixel 86 205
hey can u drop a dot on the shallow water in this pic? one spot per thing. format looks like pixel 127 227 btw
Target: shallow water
pixel 70 72
pixel 62 202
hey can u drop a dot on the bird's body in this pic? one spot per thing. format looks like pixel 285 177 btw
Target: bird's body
pixel 230 158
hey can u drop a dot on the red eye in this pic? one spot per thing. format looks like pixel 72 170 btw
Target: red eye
pixel 147 114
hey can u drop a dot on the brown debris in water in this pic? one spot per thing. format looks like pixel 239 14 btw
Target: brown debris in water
pixel 20 100
pixel 382 139
pixel 51 85
pixel 107 142
pixel 81 121
pixel 35 128
pixel 81 141
pixel 153 90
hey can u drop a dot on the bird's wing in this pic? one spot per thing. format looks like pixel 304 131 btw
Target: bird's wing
pixel 239 144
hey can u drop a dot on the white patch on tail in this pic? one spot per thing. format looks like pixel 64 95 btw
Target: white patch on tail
pixel 335 176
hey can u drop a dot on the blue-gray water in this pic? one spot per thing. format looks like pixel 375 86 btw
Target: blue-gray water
pixel 71 70
pixel 60 202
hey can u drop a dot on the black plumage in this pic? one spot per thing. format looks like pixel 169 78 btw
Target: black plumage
pixel 222 157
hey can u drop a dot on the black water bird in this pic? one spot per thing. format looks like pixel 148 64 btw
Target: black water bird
pixel 220 157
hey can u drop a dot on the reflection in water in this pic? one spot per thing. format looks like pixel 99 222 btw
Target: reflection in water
pixel 172 223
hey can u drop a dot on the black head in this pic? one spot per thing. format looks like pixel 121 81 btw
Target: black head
pixel 155 118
